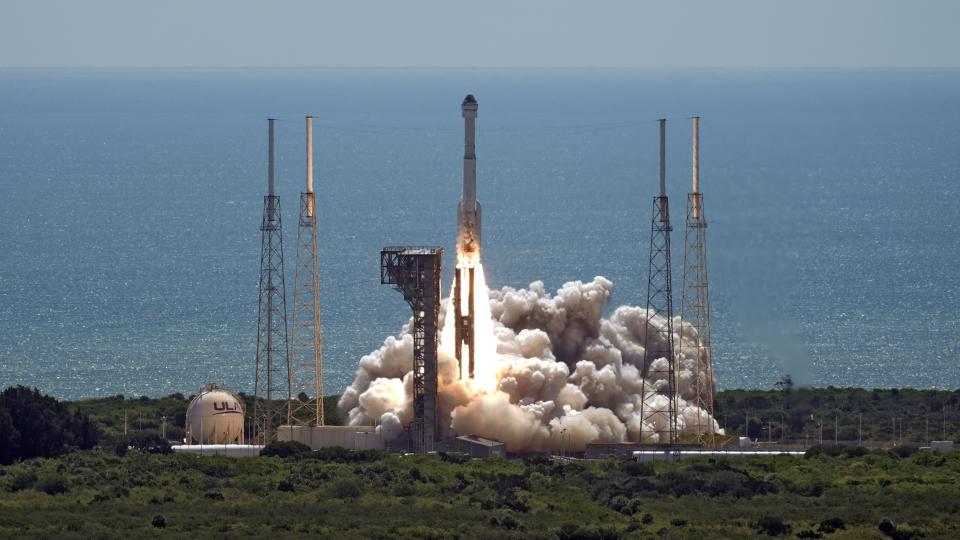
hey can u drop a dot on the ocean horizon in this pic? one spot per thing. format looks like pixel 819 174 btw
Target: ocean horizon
pixel 132 202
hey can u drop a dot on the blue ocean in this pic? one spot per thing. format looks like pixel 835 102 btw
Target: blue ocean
pixel 131 200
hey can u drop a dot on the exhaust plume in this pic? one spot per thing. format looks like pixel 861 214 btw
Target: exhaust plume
pixel 551 372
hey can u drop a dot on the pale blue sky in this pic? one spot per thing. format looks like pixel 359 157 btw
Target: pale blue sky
pixel 482 33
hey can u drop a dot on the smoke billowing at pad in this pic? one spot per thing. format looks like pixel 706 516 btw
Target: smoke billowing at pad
pixel 550 371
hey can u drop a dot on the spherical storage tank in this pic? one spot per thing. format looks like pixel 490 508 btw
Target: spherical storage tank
pixel 215 416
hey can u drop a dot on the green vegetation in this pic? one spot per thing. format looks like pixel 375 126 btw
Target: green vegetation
pixel 133 487
pixel 34 425
pixel 886 415
pixel 343 494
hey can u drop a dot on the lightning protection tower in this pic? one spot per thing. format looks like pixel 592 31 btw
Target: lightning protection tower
pixel 416 273
pixel 306 373
pixel 659 407
pixel 695 297
pixel 273 353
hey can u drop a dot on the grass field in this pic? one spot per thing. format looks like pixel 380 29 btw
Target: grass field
pixel 342 494
pixel 833 492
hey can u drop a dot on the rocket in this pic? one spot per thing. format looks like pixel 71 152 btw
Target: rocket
pixel 468 211
pixel 468 244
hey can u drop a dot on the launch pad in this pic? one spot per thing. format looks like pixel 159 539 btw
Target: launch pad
pixel 469 334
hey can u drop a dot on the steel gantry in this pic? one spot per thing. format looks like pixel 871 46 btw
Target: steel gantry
pixel 415 272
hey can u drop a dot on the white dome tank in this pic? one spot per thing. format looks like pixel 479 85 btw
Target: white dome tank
pixel 215 416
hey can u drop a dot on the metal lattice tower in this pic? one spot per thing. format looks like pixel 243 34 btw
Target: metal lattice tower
pixel 273 353
pixel 695 297
pixel 306 374
pixel 660 406
pixel 416 273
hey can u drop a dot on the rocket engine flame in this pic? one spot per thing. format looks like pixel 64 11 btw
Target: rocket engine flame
pixel 484 379
pixel 550 371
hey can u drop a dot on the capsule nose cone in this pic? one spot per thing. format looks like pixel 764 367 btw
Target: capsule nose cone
pixel 469 99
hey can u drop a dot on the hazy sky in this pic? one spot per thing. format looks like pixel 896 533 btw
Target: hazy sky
pixel 482 33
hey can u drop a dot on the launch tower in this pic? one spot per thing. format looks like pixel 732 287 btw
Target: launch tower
pixel 695 297
pixel 659 407
pixel 273 353
pixel 415 272
pixel 306 373
pixel 468 243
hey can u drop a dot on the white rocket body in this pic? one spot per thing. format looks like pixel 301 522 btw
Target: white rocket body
pixel 468 211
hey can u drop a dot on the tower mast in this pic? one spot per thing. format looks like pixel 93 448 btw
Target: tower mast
pixel 306 407
pixel 658 407
pixel 695 299
pixel 273 352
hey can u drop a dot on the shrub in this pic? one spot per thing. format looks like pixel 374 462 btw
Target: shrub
pixel 646 519
pixel 637 468
pixel 831 450
pixel 903 451
pixel 536 460
pixel 771 526
pixel 454 457
pixel 622 504
pixel 52 484
pixel 159 521
pixel 117 492
pixel 285 486
pixel 677 522
pixel 831 525
pixel 286 449
pixel 506 521
pixel 537 480
pixel 144 442
pixel 856 451
pixel 887 527
pixel 347 488
pixel 342 455
pixel 403 489
pixel 930 459
pixel 578 532
pixel 515 500
pixel 23 480
pixel 808 534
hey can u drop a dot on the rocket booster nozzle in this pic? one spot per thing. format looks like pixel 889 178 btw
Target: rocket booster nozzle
pixel 468 211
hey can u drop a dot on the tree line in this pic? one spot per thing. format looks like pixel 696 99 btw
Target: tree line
pixel 37 425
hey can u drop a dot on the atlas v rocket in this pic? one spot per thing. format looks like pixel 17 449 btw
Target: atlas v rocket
pixel 468 211
pixel 468 238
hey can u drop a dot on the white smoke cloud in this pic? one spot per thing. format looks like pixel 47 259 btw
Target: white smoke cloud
pixel 565 376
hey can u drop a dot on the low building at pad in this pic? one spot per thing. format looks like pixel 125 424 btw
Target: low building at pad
pixel 349 437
